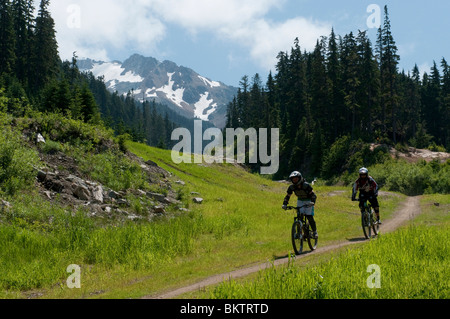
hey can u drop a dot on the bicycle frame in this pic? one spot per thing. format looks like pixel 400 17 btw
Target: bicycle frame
pixel 368 220
pixel 300 216
pixel 301 231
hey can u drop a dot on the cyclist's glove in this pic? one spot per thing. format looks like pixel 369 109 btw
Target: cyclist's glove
pixel 284 207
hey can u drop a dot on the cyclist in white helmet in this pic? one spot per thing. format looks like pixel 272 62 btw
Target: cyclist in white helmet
pixel 368 190
pixel 305 194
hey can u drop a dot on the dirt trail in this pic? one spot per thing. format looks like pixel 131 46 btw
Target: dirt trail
pixel 408 211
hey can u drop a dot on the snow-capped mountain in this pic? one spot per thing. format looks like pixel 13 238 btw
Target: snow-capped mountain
pixel 181 88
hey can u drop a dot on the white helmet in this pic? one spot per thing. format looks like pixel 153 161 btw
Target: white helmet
pixel 364 171
pixel 296 174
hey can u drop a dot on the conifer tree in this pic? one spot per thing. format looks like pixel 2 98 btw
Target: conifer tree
pixel 445 103
pixel 351 79
pixel 389 69
pixel 7 38
pixel 23 25
pixel 45 48
pixel 334 74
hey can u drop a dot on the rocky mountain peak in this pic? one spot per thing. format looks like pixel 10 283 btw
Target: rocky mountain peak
pixel 180 88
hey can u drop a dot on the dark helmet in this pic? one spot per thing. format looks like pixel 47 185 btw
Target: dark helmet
pixel 364 171
pixel 296 174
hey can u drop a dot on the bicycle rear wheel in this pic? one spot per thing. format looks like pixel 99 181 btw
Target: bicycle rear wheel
pixel 365 221
pixel 297 238
pixel 312 242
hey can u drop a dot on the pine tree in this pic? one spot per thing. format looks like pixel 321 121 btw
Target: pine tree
pixel 7 38
pixel 45 61
pixel 319 90
pixel 334 74
pixel 445 103
pixel 23 25
pixel 89 108
pixel 414 101
pixel 389 70
pixel 369 88
pixel 351 81
pixel 273 109
pixel 431 91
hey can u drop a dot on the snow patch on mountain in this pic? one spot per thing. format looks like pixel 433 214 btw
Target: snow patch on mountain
pixel 114 73
pixel 204 107
pixel 175 95
pixel 212 84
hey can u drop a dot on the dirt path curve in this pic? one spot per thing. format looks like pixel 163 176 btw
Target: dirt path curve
pixel 408 211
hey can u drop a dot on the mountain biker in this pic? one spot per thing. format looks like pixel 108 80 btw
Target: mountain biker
pixel 305 195
pixel 368 190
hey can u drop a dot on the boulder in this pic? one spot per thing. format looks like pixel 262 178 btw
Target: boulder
pixel 41 175
pixel 197 200
pixel 82 192
pixel 159 210
pixel 151 163
pixel 97 194
pixel 40 139
pixel 159 197
pixel 4 205
pixel 113 194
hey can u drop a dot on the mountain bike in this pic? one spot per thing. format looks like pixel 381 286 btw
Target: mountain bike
pixel 368 221
pixel 301 231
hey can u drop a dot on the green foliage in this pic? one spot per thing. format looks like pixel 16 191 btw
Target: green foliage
pixel 17 162
pixel 51 147
pixel 122 139
pixel 336 158
pixel 349 92
pixel 113 170
pixel 59 128
pixel 413 179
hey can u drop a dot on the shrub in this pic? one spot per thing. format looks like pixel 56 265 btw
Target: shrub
pixel 17 162
pixel 113 170
pixel 413 179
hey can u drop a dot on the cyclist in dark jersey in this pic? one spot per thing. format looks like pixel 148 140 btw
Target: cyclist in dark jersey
pixel 368 190
pixel 305 195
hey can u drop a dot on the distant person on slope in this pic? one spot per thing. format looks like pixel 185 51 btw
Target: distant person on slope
pixel 368 190
pixel 305 195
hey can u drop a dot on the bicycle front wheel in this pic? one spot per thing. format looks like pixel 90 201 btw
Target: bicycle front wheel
pixel 375 226
pixel 297 238
pixel 365 221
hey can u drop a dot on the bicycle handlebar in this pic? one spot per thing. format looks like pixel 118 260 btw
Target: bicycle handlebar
pixel 358 199
pixel 307 205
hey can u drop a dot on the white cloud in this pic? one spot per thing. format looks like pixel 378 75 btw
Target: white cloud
pixel 90 27
pixel 266 39
pixel 94 27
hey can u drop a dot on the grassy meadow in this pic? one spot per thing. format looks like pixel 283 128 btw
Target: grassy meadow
pixel 413 264
pixel 239 223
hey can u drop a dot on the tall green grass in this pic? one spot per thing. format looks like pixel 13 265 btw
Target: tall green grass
pixel 17 162
pixel 413 264
pixel 240 222
pixel 35 253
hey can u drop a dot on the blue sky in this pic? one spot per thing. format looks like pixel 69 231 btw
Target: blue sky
pixel 227 39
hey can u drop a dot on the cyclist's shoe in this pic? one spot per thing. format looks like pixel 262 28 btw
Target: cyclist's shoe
pixel 315 235
pixel 379 222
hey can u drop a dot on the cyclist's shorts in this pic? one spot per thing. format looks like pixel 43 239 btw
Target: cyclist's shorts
pixel 308 211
